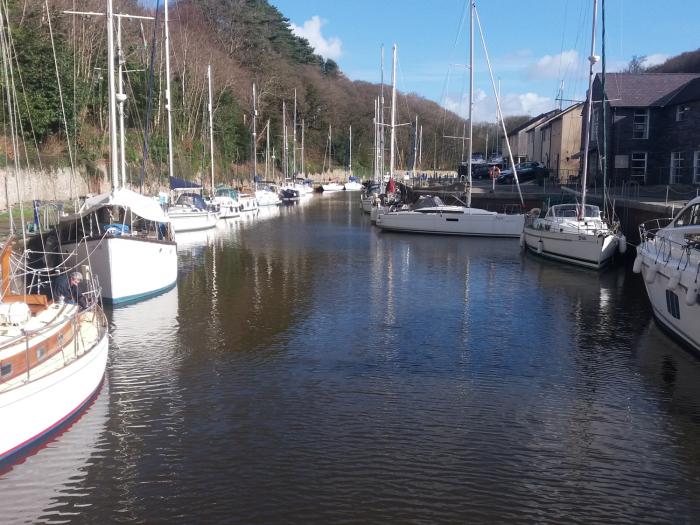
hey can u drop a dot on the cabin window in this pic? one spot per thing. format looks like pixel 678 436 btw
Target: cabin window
pixel 672 304
pixel 5 369
pixel 681 112
pixel 40 353
pixel 638 165
pixel 640 124
pixel 696 167
pixel 690 217
pixel 677 165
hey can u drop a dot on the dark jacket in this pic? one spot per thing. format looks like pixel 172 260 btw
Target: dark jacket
pixel 62 287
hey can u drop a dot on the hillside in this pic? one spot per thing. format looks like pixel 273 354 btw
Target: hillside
pixel 246 41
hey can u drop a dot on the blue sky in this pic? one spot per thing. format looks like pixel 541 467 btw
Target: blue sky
pixel 533 45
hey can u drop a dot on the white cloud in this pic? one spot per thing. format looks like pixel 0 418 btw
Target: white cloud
pixel 555 66
pixel 654 59
pixel 311 30
pixel 511 104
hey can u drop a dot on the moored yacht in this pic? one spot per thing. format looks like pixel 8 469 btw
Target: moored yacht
pixel 668 258
pixel 226 202
pixel 191 213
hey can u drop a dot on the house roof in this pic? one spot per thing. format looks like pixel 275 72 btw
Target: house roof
pixel 643 89
pixel 560 114
pixel 533 121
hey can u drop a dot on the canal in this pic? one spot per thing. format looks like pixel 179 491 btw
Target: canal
pixel 308 368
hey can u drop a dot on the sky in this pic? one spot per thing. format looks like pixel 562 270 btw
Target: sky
pixel 533 45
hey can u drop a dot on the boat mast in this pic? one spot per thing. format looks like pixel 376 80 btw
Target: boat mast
pixel 350 161
pixel 471 100
pixel 330 149
pixel 211 131
pixel 415 149
pixel 589 102
pixel 255 135
pixel 603 117
pixel 381 117
pixel 267 150
pixel 168 105
pixel 302 147
pixel 294 136
pixel 393 114
pixel 121 99
pixel 114 152
pixel 285 158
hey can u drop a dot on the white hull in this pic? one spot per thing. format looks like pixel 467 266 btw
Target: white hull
pixel 366 204
pixel 333 186
pixel 129 269
pixel 35 409
pixel 267 198
pixel 590 251
pixel 470 222
pixel 187 221
pixel 248 204
pixel 685 326
pixel 353 186
pixel 376 212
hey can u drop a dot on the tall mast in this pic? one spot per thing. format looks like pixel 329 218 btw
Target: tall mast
pixel 603 116
pixel 330 148
pixel 168 105
pixel 267 150
pixel 302 148
pixel 294 136
pixel 114 153
pixel 471 100
pixel 415 148
pixel 420 146
pixel 589 102
pixel 285 158
pixel 381 117
pixel 255 137
pixel 376 140
pixel 121 98
pixel 393 114
pixel 211 130
pixel 350 161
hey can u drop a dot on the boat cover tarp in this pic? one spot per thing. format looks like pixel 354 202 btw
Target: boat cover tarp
pixel 182 184
pixel 140 205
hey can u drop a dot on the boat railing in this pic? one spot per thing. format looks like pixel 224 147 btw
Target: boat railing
pixel 666 248
pixel 90 318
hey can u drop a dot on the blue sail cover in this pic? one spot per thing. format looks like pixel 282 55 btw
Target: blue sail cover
pixel 181 184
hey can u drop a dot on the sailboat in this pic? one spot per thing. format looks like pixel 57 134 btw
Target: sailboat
pixel 126 236
pixel 435 217
pixel 352 184
pixel 331 185
pixel 575 233
pixel 668 258
pixel 53 352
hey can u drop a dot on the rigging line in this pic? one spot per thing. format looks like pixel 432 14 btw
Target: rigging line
pixel 498 104
pixel 60 93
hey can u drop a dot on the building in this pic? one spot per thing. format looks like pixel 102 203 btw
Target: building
pixel 652 128
pixel 518 138
pixel 556 143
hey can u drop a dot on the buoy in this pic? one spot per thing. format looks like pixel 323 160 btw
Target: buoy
pixel 540 247
pixel 650 274
pixel 637 266
pixel 673 279
pixel 622 244
pixel 691 296
pixel 522 240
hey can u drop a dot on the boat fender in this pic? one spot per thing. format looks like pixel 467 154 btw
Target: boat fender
pixel 673 279
pixel 650 274
pixel 691 296
pixel 522 240
pixel 540 247
pixel 637 266
pixel 622 244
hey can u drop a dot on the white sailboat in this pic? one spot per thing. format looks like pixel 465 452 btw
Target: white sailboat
pixel 575 233
pixel 125 235
pixel 53 353
pixel 668 258
pixel 331 186
pixel 190 212
pixel 352 184
pixel 438 218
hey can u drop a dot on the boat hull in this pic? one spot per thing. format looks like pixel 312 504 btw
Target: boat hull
pixel 52 401
pixel 589 251
pixel 192 221
pixel 477 224
pixel 129 269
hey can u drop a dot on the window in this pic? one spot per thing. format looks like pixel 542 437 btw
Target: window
pixel 640 124
pixel 638 166
pixel 40 353
pixel 696 167
pixel 6 369
pixel 690 217
pixel 677 162
pixel 681 112
pixel 672 304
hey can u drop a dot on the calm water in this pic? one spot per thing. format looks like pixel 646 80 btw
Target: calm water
pixel 309 369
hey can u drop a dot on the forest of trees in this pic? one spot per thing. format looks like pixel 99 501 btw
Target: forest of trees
pixel 246 42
